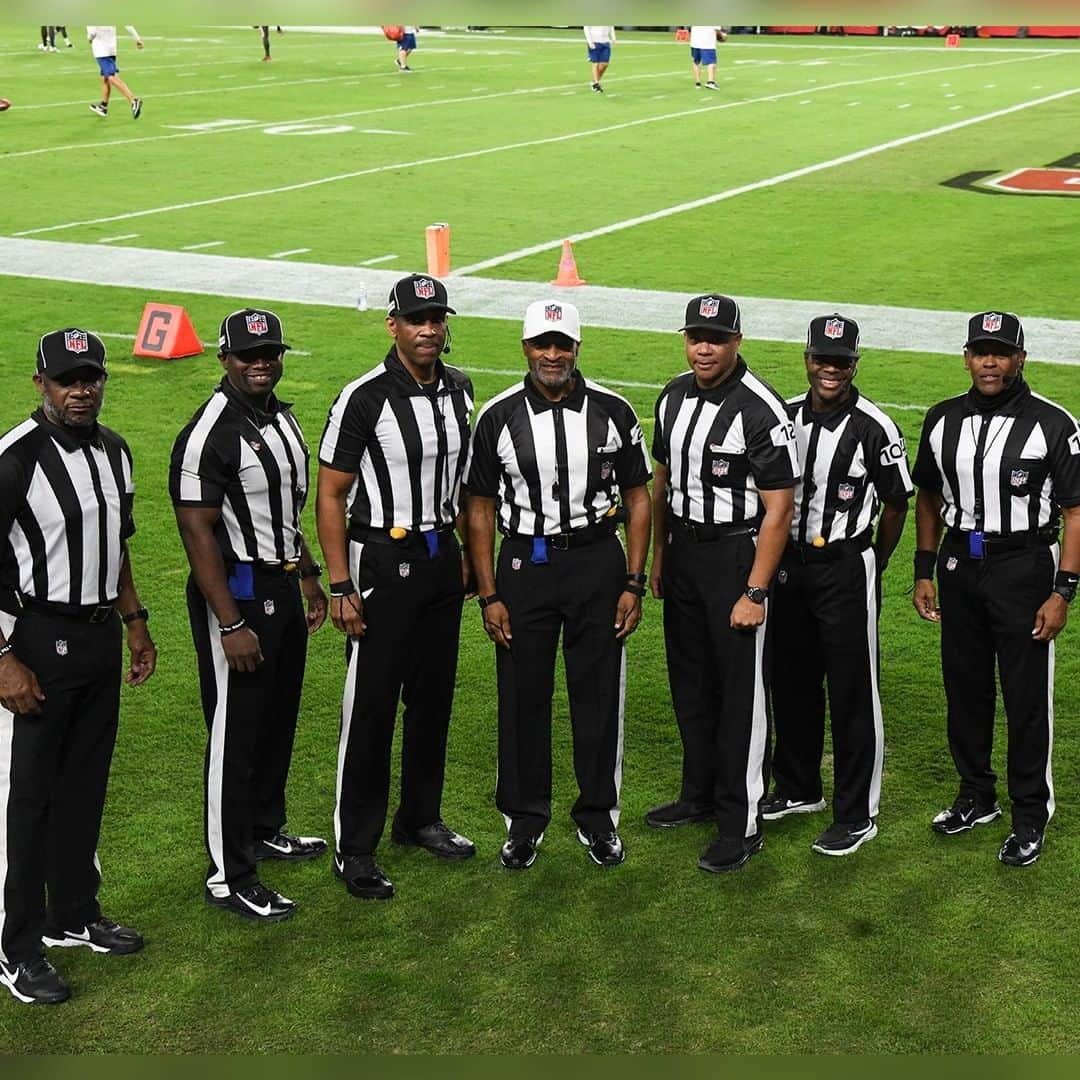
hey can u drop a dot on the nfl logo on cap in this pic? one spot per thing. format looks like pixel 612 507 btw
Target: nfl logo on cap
pixel 834 328
pixel 424 288
pixel 709 307
pixel 991 322
pixel 75 341
pixel 256 323
pixel 553 312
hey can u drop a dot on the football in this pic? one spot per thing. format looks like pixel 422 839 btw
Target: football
pixel 4 104
pixel 394 33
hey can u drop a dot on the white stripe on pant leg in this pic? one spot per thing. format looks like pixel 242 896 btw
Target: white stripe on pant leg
pixel 348 699
pixel 870 566
pixel 215 778
pixel 7 734
pixel 1051 804
pixel 759 729
pixel 615 810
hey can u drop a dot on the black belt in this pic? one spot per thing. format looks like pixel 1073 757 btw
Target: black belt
pixel 838 549
pixel 590 534
pixel 706 534
pixel 271 568
pixel 408 537
pixel 1012 542
pixel 95 613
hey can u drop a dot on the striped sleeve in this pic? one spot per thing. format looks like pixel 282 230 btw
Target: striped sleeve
pixel 349 429
pixel 482 469
pixel 770 438
pixel 886 454
pixel 197 474
pixel 632 467
pixel 926 473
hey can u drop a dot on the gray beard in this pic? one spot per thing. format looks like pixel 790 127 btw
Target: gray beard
pixel 57 418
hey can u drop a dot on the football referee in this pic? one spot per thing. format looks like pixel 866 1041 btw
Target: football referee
pixel 66 496
pixel 722 506
pixel 390 466
pixel 997 469
pixel 238 481
pixel 550 459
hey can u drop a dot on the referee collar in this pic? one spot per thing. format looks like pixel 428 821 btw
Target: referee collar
pixel 574 400
pixel 71 439
pixel 715 394
pixel 244 404
pixel 407 384
pixel 832 419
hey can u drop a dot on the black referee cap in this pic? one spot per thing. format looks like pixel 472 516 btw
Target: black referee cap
pixel 417 292
pixel 1001 326
pixel 68 349
pixel 713 312
pixel 833 335
pixel 250 328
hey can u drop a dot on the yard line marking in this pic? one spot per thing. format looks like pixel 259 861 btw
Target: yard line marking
pixel 378 259
pixel 110 239
pixel 164 273
pixel 187 75
pixel 757 185
pixel 199 247
pixel 907 106
pixel 291 251
pixel 567 137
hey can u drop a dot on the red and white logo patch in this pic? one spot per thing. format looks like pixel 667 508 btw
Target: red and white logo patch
pixel 845 492
pixel 403 569
pixel 515 563
pixel 834 328
pixel 721 467
pixel 709 307
pixel 256 323
pixel 424 288
pixel 1018 478
pixel 553 312
pixel 991 322
pixel 76 341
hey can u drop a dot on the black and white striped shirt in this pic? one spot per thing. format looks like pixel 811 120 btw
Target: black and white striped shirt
pixel 722 446
pixel 852 460
pixel 65 511
pixel 251 464
pixel 405 443
pixel 556 466
pixel 1005 470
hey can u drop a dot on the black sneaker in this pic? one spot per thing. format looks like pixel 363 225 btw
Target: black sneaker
pixel 670 815
pixel 519 852
pixel 597 88
pixel 36 982
pixel 438 838
pixel 605 849
pixel 289 848
pixel 363 877
pixel 255 902
pixel 841 839
pixel 101 110
pixel 1022 846
pixel 964 814
pixel 777 806
pixel 102 936
pixel 730 853
pixel 711 86
pixel 136 108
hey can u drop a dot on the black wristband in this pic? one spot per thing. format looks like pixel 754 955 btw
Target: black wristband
pixel 487 601
pixel 639 578
pixel 338 589
pixel 224 631
pixel 1065 585
pixel 925 561
pixel 637 590
pixel 134 616
pixel 314 570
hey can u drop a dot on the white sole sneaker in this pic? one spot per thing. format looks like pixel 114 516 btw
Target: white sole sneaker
pixel 868 835
pixel 795 808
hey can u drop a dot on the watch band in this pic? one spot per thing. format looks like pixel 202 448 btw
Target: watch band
pixel 134 616
pixel 487 601
pixel 314 570
pixel 755 594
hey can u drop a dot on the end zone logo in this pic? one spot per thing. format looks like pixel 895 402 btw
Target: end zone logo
pixel 1058 178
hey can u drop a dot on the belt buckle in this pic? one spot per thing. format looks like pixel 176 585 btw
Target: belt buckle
pixel 101 613
pixel 289 567
pixel 561 542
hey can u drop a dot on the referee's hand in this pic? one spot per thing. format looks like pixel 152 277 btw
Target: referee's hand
pixel 925 600
pixel 20 692
pixel 1050 618
pixel 497 623
pixel 347 614
pixel 242 649
pixel 627 614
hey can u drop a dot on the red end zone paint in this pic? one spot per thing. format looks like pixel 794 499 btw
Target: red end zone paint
pixel 1038 181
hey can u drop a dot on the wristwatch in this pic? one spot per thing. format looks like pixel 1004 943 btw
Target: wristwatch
pixel 314 570
pixel 756 595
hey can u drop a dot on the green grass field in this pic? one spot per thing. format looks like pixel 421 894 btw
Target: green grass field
pixel 915 944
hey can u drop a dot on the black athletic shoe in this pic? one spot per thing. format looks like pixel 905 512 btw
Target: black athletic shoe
pixel 840 839
pixel 711 86
pixel 289 848
pixel 437 838
pixel 597 88
pixel 730 853
pixel 102 936
pixel 136 108
pixel 36 982
pixel 964 814
pixel 680 812
pixel 363 877
pixel 605 849
pixel 255 902
pixel 1022 846
pixel 101 110
pixel 519 852
pixel 777 806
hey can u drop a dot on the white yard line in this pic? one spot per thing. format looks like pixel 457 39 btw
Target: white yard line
pixel 165 273
pixel 291 251
pixel 110 239
pixel 567 137
pixel 199 247
pixel 757 185
pixel 377 259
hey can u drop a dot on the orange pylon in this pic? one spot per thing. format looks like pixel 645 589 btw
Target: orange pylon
pixel 568 274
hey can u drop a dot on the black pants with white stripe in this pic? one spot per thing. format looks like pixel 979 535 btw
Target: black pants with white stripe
pixel 575 592
pixel 823 628
pixel 251 721
pixel 717 679
pixel 412 610
pixel 54 768
pixel 987 611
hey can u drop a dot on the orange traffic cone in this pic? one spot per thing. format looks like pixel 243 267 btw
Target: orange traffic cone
pixel 568 274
